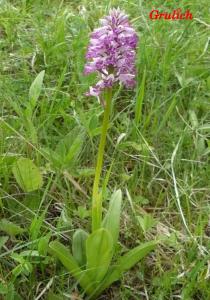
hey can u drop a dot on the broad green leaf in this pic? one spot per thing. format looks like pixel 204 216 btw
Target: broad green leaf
pixel 17 257
pixel 123 264
pixel 27 174
pixel 113 274
pixel 111 221
pixel 10 228
pixel 128 260
pixel 146 222
pixel 99 250
pixel 24 265
pixel 31 130
pixel 79 246
pixel 36 224
pixel 93 125
pixel 68 149
pixel 82 212
pixel 25 268
pixel 35 89
pixel 75 148
pixel 64 255
pixel 43 244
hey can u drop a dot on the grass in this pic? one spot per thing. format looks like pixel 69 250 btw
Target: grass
pixel 158 148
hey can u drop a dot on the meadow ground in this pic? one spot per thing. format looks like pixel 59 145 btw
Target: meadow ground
pixel 158 147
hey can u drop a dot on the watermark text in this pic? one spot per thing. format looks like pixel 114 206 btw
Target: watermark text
pixel 176 14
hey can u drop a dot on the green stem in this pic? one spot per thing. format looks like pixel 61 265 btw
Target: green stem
pixel 96 197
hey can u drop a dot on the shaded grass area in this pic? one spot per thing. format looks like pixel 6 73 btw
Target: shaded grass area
pixel 158 147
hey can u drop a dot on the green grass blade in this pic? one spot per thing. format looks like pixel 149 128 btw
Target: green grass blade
pixel 168 113
pixel 139 100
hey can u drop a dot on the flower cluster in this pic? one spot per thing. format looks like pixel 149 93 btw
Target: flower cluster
pixel 111 52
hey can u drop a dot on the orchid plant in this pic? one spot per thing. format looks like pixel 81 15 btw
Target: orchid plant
pixel 93 262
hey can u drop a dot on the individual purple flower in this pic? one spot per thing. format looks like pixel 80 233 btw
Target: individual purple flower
pixel 111 52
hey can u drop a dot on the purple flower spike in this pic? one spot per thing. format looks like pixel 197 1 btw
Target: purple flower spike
pixel 111 52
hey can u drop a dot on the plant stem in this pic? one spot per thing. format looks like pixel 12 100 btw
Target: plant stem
pixel 96 197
